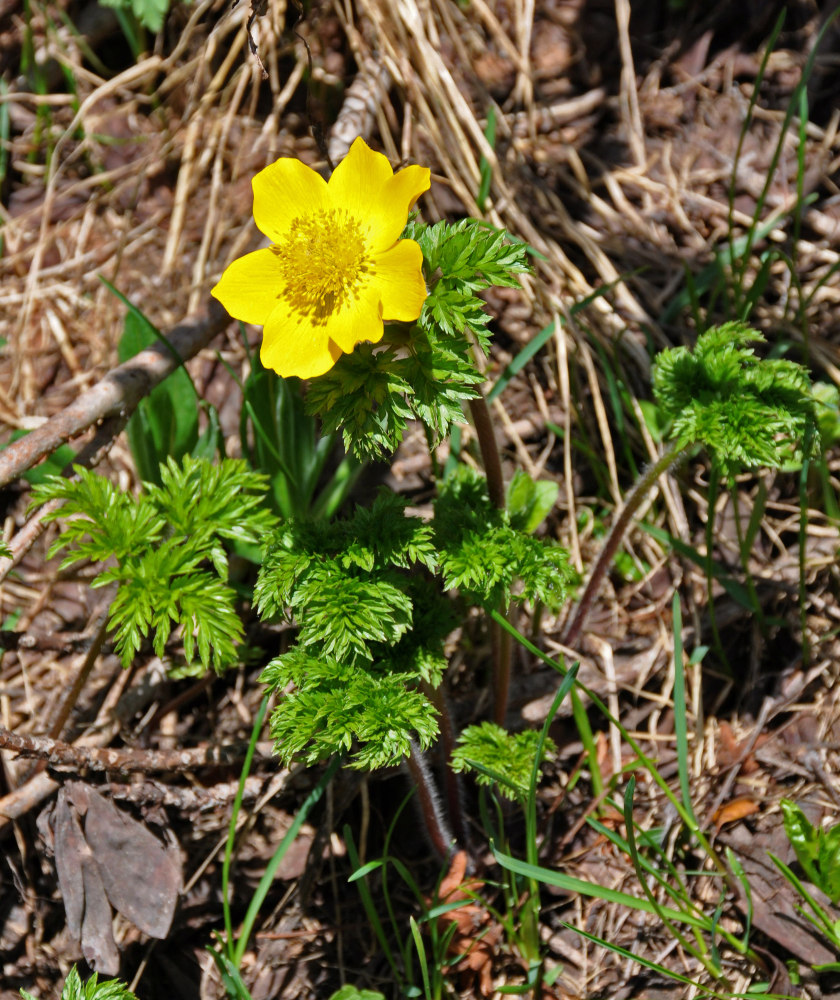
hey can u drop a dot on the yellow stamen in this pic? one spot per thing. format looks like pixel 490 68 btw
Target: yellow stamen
pixel 323 262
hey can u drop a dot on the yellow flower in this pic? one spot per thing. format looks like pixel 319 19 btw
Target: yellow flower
pixel 336 267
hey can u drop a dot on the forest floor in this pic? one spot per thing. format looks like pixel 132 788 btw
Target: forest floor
pixel 629 158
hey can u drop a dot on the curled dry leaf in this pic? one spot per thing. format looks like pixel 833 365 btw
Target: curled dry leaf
pixel 69 843
pixel 476 936
pixel 115 861
pixel 141 877
pixel 98 945
pixel 735 810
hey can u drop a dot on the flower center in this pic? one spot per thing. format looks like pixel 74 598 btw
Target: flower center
pixel 323 263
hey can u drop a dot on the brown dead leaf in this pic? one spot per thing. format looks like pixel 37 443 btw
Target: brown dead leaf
pixel 115 861
pixel 477 935
pixel 98 945
pixel 80 882
pixel 142 879
pixel 451 884
pixel 734 810
pixel 731 751
pixel 69 845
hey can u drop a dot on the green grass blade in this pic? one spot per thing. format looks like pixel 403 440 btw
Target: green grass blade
pixel 680 708
pixel 807 451
pixel 166 422
pixel 648 763
pixel 590 747
pixel 234 819
pixel 566 686
pixel 268 876
pixel 485 168
pixel 537 343
pixel 229 974
pixel 583 888
pixel 664 914
pixel 421 957
pixel 668 973
pixel 359 872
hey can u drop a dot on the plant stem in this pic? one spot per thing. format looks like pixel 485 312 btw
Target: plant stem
pixel 439 835
pixel 100 630
pixel 617 532
pixel 499 639
pixel 714 483
pixel 744 557
pixel 490 456
pixel 447 737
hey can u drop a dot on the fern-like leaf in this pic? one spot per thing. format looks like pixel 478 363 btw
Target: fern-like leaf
pixel 495 755
pixel 747 411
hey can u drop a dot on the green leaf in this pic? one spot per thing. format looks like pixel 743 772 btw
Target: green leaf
pixel 171 550
pixel 165 423
pixel 803 838
pixel 74 989
pixel 747 411
pixel 529 502
pixel 496 755
pixel 829 862
pixel 580 886
pixel 336 708
pixel 349 992
pixel 363 396
pixel 485 558
pixel 150 13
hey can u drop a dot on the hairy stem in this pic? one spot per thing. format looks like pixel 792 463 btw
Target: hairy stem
pixel 613 540
pixel 500 640
pixel 447 737
pixel 439 834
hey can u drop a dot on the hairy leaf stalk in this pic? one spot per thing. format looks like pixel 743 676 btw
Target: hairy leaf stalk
pixel 499 639
pixel 447 736
pixel 616 535
pixel 440 835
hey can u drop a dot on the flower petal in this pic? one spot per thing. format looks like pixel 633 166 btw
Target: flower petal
pixel 357 181
pixel 397 200
pixel 282 192
pixel 292 345
pixel 398 278
pixel 365 185
pixel 249 287
pixel 361 321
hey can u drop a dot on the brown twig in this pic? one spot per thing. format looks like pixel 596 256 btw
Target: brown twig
pixel 193 799
pixel 57 753
pixel 118 393
pixel 97 635
pixel 614 539
pixel 89 457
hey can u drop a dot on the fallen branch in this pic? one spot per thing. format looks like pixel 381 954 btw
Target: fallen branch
pixel 117 394
pixel 89 457
pixel 57 753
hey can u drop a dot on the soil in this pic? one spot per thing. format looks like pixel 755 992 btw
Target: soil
pixel 633 139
